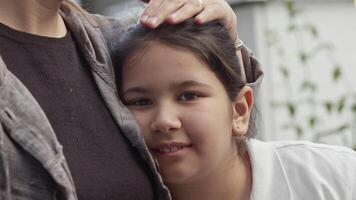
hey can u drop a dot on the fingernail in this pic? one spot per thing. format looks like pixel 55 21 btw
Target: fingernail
pixel 153 20
pixel 173 16
pixel 144 18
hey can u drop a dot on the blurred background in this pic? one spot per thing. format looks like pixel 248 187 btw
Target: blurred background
pixel 308 53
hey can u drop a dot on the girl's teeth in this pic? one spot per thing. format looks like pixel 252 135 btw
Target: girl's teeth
pixel 169 150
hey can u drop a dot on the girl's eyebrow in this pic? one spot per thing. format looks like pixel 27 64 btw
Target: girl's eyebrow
pixel 190 83
pixel 136 89
pixel 179 85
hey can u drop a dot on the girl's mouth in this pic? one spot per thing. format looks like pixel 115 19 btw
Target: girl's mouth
pixel 169 148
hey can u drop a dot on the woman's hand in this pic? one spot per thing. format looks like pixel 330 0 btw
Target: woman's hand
pixel 176 11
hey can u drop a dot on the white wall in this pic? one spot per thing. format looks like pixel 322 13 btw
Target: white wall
pixel 336 24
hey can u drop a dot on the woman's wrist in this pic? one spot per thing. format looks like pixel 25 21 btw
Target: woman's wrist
pixel 238 46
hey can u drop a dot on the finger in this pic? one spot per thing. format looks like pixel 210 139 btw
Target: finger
pixel 150 10
pixel 187 11
pixel 159 14
pixel 216 11
pixel 211 12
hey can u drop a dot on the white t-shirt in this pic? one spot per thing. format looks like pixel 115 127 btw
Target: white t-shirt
pixel 301 170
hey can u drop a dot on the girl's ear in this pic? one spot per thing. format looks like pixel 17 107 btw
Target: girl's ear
pixel 242 107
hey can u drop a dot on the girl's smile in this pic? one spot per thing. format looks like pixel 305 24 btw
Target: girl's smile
pixel 170 150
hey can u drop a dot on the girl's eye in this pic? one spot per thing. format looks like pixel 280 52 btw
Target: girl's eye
pixel 139 102
pixel 189 96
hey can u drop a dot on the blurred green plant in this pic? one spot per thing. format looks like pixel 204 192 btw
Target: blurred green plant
pixel 306 96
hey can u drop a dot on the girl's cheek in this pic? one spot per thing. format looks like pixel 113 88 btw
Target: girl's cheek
pixel 193 122
pixel 142 120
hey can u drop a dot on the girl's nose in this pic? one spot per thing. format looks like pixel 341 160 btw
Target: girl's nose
pixel 166 120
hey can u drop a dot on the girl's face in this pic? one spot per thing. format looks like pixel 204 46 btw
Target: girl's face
pixel 188 120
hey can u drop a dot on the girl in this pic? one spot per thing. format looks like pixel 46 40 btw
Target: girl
pixel 54 144
pixel 185 88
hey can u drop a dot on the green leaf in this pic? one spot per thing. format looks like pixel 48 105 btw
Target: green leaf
pixel 285 72
pixel 291 109
pixel 312 121
pixel 337 73
pixel 305 85
pixel 308 85
pixel 292 27
pixel 353 108
pixel 313 30
pixel 328 106
pixel 291 8
pixel 299 130
pixel 303 57
pixel 341 105
pixel 342 128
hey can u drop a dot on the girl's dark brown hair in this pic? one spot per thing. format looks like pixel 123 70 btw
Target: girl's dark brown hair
pixel 211 42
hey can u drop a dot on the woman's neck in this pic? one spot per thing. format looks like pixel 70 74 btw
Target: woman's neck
pixel 233 182
pixel 38 17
